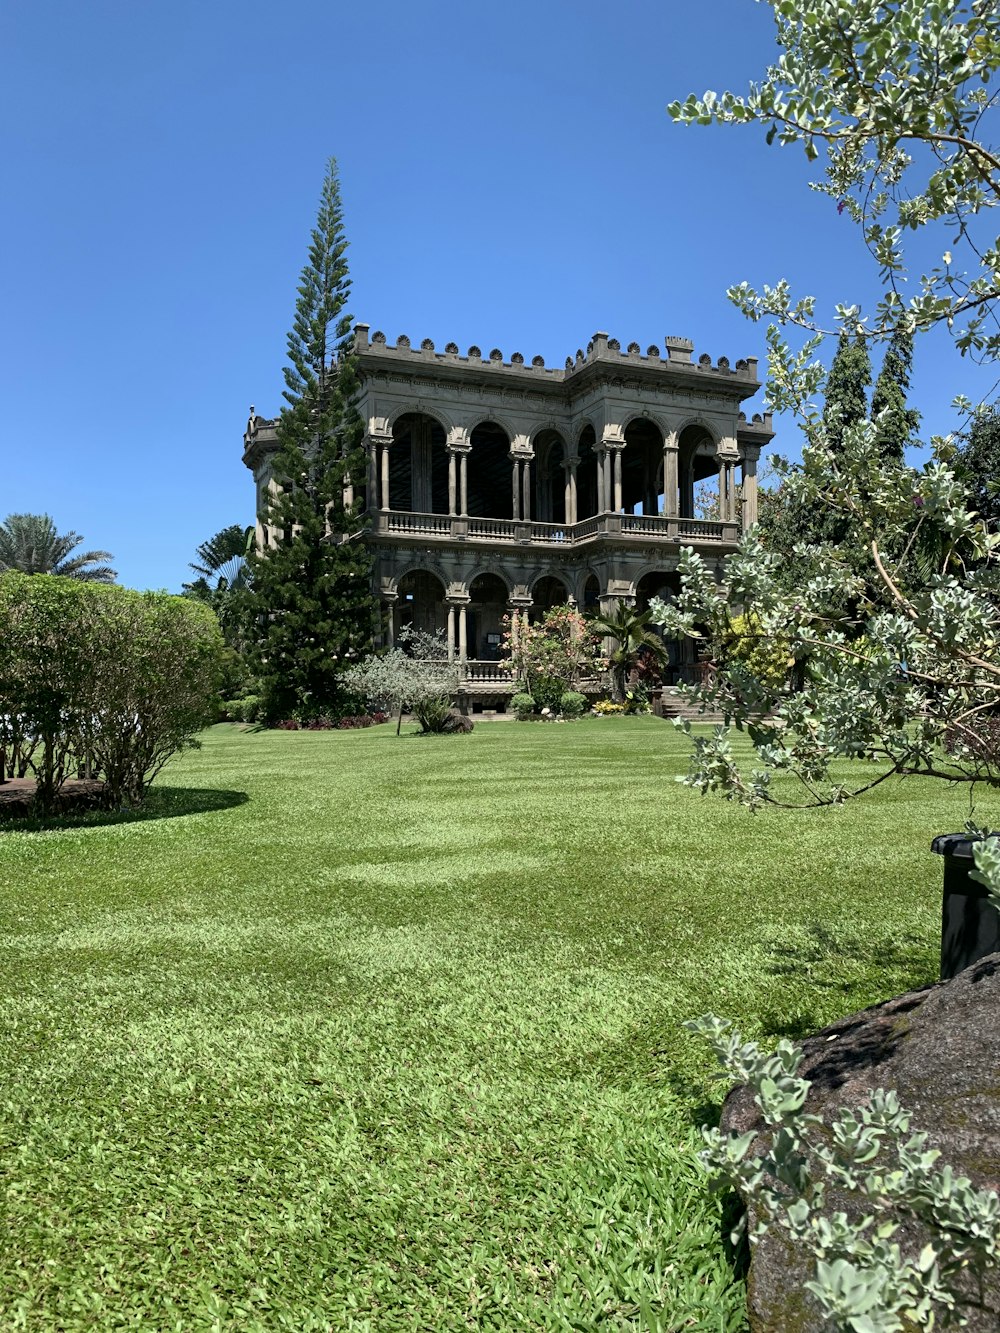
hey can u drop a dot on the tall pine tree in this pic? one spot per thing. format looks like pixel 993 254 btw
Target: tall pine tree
pixel 898 424
pixel 312 600
pixel 846 389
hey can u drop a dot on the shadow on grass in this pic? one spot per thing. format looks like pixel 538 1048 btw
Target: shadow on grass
pixel 161 803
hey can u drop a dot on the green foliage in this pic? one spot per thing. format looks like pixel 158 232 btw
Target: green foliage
pixel 367 998
pixel 748 646
pixel 635 643
pixel 977 462
pixel 30 544
pixel 311 601
pixel 895 93
pixel 417 676
pixel 572 704
pixel 247 709
pixel 223 580
pixel 895 424
pixel 523 706
pixel 102 679
pixel 553 654
pixel 865 1280
pixel 846 403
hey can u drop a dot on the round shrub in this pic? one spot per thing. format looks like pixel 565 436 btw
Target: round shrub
pixel 547 692
pixel 522 705
pixel 572 704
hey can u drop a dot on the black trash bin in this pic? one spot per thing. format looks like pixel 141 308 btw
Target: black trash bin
pixel 970 924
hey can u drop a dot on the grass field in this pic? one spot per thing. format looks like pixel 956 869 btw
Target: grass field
pixel 375 1033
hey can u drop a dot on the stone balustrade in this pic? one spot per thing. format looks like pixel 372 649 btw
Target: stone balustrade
pixel 618 527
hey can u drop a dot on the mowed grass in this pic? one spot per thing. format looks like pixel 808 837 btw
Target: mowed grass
pixel 376 1033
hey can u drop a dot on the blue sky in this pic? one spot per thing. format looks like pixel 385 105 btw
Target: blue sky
pixel 510 178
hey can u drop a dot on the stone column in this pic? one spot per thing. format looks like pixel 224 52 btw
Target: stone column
pixel 572 505
pixel 603 498
pixel 526 502
pixel 385 478
pixel 670 476
pixel 618 480
pixel 750 455
pixel 452 484
pixel 516 487
pixel 464 482
pixel 390 622
pixel 515 627
pixel 451 633
pixel 463 644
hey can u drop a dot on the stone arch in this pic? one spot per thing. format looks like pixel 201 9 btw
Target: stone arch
pixel 695 464
pixel 421 601
pixel 548 590
pixel 697 420
pixel 591 592
pixel 392 581
pixel 487 569
pixel 445 420
pixel 489 471
pixel 418 463
pixel 490 418
pixel 489 592
pixel 587 491
pixel 549 476
pixel 642 465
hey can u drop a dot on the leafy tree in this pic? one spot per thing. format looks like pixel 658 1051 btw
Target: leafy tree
pixel 311 599
pixel 417 677
pixel 30 544
pixel 635 642
pixel 846 403
pixel 978 463
pixel 898 95
pixel 895 423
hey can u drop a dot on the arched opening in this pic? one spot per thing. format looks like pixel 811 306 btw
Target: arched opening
pixel 591 595
pixel 418 465
pixel 421 602
pixel 696 464
pixel 547 593
pixel 586 474
pixel 490 493
pixel 550 477
pixel 681 652
pixel 487 608
pixel 642 468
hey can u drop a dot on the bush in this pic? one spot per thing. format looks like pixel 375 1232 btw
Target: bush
pixel 572 704
pixel 102 680
pixel 243 710
pixel 547 692
pixel 605 708
pixel 522 705
pixel 433 714
pixel 636 699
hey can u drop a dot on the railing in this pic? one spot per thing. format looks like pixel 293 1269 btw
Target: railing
pixel 670 527
pixel 399 521
pixel 551 532
pixel 503 529
pixel 651 525
pixel 485 673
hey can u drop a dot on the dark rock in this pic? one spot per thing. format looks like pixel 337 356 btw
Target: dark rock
pixel 457 722
pixel 939 1050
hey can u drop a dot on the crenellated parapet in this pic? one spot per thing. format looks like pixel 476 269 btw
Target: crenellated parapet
pixel 676 358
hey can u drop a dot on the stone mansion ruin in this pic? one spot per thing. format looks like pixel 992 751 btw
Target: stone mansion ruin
pixel 501 488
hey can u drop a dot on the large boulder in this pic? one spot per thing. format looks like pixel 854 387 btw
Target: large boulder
pixel 939 1049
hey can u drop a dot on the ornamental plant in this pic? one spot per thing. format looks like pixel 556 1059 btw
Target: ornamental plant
pixel 866 1279
pixel 552 655
pixel 416 677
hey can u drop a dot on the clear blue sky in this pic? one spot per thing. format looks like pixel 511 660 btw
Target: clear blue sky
pixel 510 178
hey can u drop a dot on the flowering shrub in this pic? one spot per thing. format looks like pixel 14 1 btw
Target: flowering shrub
pixel 605 708
pixel 350 723
pixel 552 655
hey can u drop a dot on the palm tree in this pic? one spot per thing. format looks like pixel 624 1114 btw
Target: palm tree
pixel 30 544
pixel 224 559
pixel 224 579
pixel 634 641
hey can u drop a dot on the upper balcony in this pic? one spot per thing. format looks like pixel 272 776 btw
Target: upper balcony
pixel 619 529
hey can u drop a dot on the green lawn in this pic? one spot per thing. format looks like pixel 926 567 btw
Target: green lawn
pixel 379 1033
